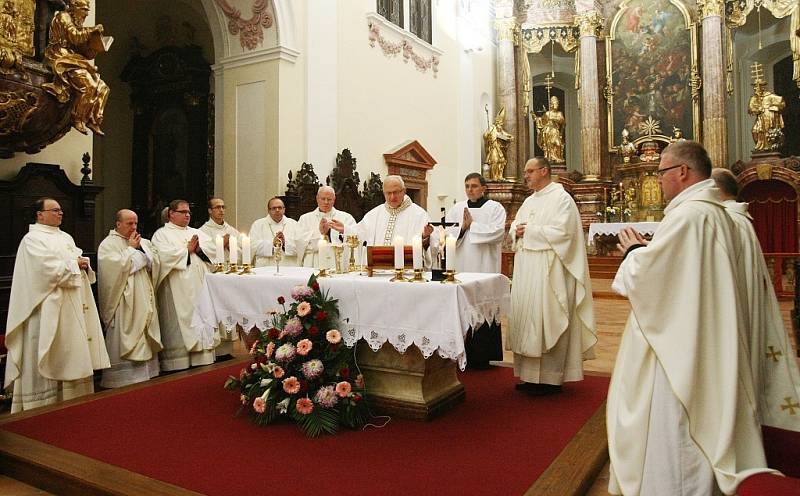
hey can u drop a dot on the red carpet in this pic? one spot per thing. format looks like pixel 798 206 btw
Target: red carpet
pixel 184 432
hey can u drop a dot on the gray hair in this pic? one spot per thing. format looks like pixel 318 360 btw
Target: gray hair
pixel 693 154
pixel 726 182
pixel 395 178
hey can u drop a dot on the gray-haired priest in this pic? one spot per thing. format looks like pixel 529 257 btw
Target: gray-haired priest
pixel 318 224
pixel 53 332
pixel 126 264
pixel 183 254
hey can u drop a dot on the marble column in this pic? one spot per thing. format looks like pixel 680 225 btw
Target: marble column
pixel 591 26
pixel 507 89
pixel 715 125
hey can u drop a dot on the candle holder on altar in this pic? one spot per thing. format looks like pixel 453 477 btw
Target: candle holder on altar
pixel 450 277
pixel 277 253
pixel 246 270
pixel 233 269
pixel 418 276
pixel 398 276
pixel 323 273
pixel 352 242
pixel 338 251
pixel 218 267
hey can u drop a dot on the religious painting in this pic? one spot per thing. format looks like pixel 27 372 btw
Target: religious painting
pixel 649 61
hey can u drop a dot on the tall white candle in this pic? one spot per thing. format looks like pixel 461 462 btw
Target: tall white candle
pixel 233 250
pixel 399 243
pixel 322 253
pixel 451 253
pixel 416 249
pixel 245 249
pixel 220 250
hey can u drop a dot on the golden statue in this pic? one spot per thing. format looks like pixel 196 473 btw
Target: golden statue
pixel 68 53
pixel 626 148
pixel 677 135
pixel 550 132
pixel 497 140
pixel 766 107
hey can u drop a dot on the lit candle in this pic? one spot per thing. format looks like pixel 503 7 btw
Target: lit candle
pixel 233 250
pixel 399 262
pixel 416 248
pixel 245 249
pixel 322 252
pixel 451 253
pixel 220 254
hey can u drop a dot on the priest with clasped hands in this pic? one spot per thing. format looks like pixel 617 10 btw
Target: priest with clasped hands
pixel 320 224
pixel 127 265
pixel 184 254
pixel 275 226
pixel 53 332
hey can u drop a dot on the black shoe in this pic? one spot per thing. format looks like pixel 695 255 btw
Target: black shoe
pixel 538 389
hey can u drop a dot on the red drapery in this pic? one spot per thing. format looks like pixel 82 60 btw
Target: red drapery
pixel 773 205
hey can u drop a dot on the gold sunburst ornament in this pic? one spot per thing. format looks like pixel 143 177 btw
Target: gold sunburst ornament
pixel 650 126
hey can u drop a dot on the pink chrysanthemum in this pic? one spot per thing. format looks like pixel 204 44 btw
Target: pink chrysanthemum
pixel 291 385
pixel 326 397
pixel 293 327
pixel 313 369
pixel 304 406
pixel 285 353
pixel 278 372
pixel 259 405
pixel 343 389
pixel 333 336
pixel 300 292
pixel 303 309
pixel 304 346
pixel 270 349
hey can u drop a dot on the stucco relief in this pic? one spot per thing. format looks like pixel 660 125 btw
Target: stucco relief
pixel 391 49
pixel 250 31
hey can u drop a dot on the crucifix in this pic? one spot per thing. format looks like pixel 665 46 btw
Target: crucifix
pixel 441 255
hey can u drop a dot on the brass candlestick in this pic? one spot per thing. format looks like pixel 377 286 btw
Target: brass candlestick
pixel 398 276
pixel 418 276
pixel 233 269
pixel 218 267
pixel 450 277
pixel 352 243
pixel 323 273
pixel 246 270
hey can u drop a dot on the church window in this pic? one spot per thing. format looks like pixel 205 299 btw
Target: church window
pixel 392 11
pixel 420 19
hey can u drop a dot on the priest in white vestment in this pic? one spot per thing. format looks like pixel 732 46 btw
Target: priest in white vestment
pixel 217 226
pixel 53 333
pixel 399 216
pixel 184 254
pixel 265 231
pixel 681 408
pixel 551 327
pixel 776 378
pixel 126 264
pixel 318 224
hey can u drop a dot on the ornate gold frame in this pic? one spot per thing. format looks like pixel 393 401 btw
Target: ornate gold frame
pixel 690 26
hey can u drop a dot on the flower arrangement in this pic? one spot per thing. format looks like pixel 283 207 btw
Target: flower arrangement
pixel 300 368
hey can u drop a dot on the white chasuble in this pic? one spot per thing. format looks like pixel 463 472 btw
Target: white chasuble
pixel 775 375
pixel 551 327
pixel 262 235
pixel 480 247
pixel 179 278
pixel 213 230
pixel 308 236
pixel 128 309
pixel 687 318
pixel 53 332
pixel 382 224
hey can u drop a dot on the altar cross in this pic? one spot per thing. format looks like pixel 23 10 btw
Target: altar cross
pixel 790 406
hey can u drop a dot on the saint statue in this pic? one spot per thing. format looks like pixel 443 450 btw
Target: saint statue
pixel 497 140
pixel 766 107
pixel 550 132
pixel 677 135
pixel 626 148
pixel 68 53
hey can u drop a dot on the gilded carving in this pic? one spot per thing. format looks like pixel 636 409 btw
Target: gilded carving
pixel 250 31
pixel 497 140
pixel 534 39
pixel 16 34
pixel 766 107
pixel 709 8
pixel 15 110
pixel 550 132
pixel 590 23
pixel 651 192
pixel 505 29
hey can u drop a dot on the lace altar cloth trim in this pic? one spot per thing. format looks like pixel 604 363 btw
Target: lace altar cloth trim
pixel 613 228
pixel 435 317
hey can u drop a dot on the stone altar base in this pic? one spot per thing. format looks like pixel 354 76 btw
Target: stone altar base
pixel 406 385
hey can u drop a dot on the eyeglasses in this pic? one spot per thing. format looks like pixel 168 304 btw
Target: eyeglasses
pixel 661 172
pixel 218 207
pixel 54 210
pixel 184 212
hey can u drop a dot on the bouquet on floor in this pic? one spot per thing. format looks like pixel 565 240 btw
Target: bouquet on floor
pixel 302 369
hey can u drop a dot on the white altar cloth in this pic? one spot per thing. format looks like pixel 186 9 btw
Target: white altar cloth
pixel 613 228
pixel 433 316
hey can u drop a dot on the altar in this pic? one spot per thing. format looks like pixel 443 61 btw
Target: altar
pixel 410 336
pixel 604 235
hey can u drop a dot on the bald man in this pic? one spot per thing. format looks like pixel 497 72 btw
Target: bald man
pixel 319 224
pixel 127 303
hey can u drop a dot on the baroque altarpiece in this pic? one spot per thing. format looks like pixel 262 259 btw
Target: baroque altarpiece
pixel 642 74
